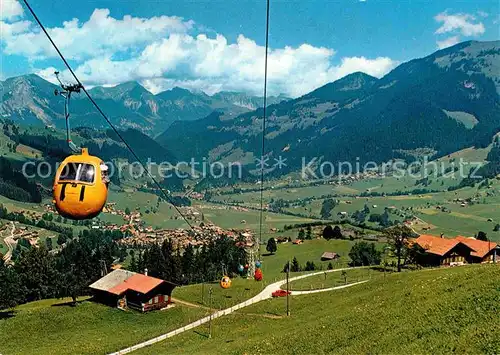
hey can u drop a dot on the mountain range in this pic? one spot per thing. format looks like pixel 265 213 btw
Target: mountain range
pixel 443 102
pixel 30 99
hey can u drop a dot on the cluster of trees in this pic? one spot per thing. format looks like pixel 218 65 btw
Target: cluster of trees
pixel 14 185
pixel 180 201
pixel 303 225
pixel 383 219
pixel 489 170
pixel 419 191
pixel 305 234
pixel 492 169
pixel 332 233
pixel 38 274
pixel 278 205
pixel 12 147
pixel 208 263
pixel 360 215
pixel 407 253
pixel 364 254
pixel 296 267
pixel 327 207
pixel 481 236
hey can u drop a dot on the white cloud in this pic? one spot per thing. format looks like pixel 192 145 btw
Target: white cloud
pixel 10 29
pixel 100 35
pixel 10 10
pixel 377 67
pixel 464 23
pixel 160 53
pixel 482 13
pixel 48 74
pixel 448 42
pixel 213 64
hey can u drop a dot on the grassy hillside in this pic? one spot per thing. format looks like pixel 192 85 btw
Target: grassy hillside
pixel 424 312
pixel 53 327
pixel 272 266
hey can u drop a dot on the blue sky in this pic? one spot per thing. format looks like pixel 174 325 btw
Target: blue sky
pixel 215 45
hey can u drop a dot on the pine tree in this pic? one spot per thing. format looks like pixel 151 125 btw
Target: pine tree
pixel 37 273
pixel 177 267
pixel 48 243
pixel 301 234
pixel 133 262
pixel 366 209
pixel 326 208
pixel 337 233
pixel 328 232
pixel 385 219
pixel 167 260
pixel 155 262
pixel 188 263
pixel 10 292
pixel 140 262
pixel 482 236
pixel 308 232
pixel 271 245
pixel 295 265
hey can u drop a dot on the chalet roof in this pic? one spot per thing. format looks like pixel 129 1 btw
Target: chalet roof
pixel 119 281
pixel 329 255
pixel 437 245
pixel 112 279
pixel 481 248
pixel 138 282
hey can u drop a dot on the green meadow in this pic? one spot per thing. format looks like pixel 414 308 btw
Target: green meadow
pixel 452 310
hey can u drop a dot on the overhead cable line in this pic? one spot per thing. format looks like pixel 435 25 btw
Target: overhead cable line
pixel 261 221
pixel 104 115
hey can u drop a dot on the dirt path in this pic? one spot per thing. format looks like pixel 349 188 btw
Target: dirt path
pixel 11 244
pixel 266 293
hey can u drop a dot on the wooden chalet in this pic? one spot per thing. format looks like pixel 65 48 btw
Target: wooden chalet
pixel 329 256
pixel 484 251
pixel 440 251
pixel 126 289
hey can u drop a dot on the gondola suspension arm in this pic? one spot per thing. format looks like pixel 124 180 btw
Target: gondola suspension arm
pixel 66 93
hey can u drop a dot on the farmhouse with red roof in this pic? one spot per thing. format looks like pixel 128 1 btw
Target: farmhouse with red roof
pixel 126 289
pixel 441 251
pixel 484 251
pixel 457 251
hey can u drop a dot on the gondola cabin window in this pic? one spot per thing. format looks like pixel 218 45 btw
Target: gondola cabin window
pixel 78 172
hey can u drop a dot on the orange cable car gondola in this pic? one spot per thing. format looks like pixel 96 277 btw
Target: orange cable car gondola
pixel 225 282
pixel 81 186
pixel 81 183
